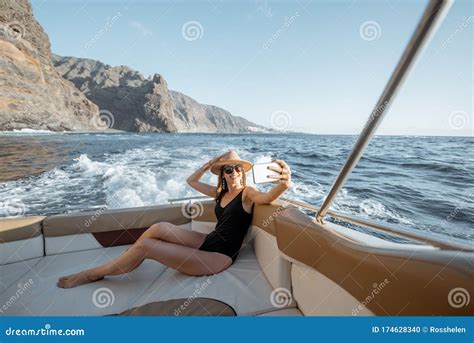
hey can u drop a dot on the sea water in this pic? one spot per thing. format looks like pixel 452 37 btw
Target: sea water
pixel 422 183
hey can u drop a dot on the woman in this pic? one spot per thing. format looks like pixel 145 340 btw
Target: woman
pixel 192 252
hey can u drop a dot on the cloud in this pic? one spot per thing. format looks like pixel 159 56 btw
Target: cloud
pixel 141 28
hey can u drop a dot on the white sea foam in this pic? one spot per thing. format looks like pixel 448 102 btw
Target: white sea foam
pixel 369 208
pixel 33 131
pixel 125 186
pixel 27 131
pixel 130 170
pixel 314 194
pixel 150 176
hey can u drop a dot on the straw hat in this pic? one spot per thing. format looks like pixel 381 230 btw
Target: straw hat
pixel 231 158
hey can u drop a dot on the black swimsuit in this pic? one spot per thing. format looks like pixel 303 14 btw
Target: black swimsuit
pixel 232 225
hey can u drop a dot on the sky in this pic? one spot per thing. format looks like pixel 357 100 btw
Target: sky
pixel 310 66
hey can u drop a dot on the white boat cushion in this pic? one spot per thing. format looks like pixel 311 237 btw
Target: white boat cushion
pixel 186 226
pixel 11 273
pixel 70 243
pixel 78 242
pixel 203 227
pixel 44 298
pixel 318 295
pixel 21 250
pixel 276 268
pixel 242 286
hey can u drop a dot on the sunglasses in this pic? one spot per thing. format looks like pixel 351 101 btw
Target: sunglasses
pixel 230 169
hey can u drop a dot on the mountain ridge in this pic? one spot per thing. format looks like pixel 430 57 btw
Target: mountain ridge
pixel 140 104
pixel 40 90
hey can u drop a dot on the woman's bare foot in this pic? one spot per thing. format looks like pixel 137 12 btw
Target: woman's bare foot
pixel 77 279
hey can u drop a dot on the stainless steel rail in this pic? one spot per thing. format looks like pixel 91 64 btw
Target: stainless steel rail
pixel 188 198
pixel 422 237
pixel 437 240
pixel 432 17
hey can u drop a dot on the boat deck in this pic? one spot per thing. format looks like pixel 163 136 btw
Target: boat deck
pixel 243 286
pixel 288 265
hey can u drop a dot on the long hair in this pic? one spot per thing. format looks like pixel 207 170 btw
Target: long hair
pixel 222 184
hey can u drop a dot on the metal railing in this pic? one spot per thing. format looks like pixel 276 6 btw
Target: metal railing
pixel 427 238
pixel 431 18
pixel 188 198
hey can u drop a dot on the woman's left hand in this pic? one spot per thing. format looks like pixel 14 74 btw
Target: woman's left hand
pixel 285 173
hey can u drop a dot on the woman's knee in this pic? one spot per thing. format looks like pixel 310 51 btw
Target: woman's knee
pixel 138 247
pixel 145 244
pixel 157 230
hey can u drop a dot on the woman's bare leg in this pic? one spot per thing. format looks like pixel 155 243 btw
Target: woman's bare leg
pixel 164 231
pixel 187 260
pixel 135 255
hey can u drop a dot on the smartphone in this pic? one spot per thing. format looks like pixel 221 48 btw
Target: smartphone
pixel 260 172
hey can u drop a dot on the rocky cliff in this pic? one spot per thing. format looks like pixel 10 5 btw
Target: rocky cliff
pixel 144 104
pixel 192 116
pixel 40 90
pixel 32 93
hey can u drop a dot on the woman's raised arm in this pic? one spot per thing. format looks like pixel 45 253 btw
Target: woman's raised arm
pixel 284 182
pixel 202 187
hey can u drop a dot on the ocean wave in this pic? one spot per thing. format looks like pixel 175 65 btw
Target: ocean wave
pixel 345 202
pixel 27 131
pixel 443 168
pixel 126 185
pixel 312 155
pixel 131 170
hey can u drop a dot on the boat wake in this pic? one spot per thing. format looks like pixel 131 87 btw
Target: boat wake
pixel 95 171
